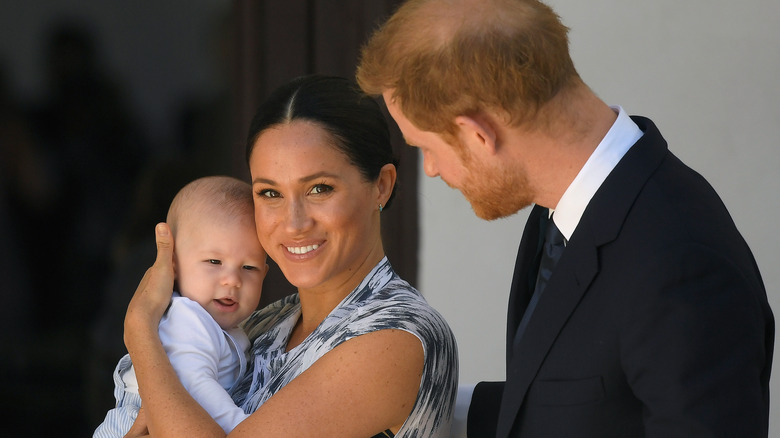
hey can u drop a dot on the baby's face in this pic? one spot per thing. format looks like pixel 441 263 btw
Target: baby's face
pixel 222 267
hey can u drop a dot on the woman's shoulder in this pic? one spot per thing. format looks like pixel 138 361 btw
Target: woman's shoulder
pixel 396 305
pixel 392 304
pixel 397 294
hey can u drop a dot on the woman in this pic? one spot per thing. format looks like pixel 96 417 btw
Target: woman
pixel 357 352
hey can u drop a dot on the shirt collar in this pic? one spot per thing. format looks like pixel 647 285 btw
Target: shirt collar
pixel 619 139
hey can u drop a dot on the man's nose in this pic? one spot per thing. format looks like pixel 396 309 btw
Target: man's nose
pixel 429 165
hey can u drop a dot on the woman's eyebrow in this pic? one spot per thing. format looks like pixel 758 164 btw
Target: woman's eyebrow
pixel 263 181
pixel 308 178
pixel 318 175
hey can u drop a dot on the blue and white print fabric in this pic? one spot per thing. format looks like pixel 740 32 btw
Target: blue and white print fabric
pixel 382 301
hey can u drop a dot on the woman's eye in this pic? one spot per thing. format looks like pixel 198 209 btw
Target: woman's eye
pixel 214 261
pixel 268 193
pixel 320 189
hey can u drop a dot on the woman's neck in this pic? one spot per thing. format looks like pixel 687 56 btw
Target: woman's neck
pixel 317 303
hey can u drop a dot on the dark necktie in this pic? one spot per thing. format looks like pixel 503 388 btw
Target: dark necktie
pixel 552 248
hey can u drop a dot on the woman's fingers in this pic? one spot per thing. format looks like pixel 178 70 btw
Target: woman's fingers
pixel 138 429
pixel 164 246
pixel 153 294
pixel 159 285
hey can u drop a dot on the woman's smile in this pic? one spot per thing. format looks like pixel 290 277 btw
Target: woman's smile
pixel 302 249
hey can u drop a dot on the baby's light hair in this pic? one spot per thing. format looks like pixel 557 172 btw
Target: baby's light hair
pixel 220 196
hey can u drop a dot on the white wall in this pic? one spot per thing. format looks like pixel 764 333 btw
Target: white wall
pixel 706 71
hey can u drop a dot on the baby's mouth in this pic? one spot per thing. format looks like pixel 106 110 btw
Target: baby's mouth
pixel 227 302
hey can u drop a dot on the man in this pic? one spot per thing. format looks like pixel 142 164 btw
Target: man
pixel 636 309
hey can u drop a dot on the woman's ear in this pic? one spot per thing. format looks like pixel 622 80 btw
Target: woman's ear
pixel 477 132
pixel 385 183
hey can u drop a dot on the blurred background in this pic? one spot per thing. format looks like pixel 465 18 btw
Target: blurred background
pixel 106 110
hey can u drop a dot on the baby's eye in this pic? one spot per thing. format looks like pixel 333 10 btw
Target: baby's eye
pixel 320 189
pixel 250 268
pixel 215 261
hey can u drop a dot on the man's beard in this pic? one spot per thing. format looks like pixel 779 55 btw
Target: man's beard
pixel 494 193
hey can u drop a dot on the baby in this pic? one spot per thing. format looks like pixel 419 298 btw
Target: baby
pixel 219 270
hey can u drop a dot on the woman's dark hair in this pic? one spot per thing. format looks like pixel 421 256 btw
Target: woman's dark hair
pixel 353 119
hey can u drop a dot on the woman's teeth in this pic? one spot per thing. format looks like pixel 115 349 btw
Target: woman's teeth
pixel 302 249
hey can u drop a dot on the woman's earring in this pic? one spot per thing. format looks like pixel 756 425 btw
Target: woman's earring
pixel 380 208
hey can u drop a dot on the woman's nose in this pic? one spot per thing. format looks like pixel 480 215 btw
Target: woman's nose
pixel 298 218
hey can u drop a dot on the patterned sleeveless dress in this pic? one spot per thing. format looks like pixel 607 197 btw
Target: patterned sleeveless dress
pixel 382 301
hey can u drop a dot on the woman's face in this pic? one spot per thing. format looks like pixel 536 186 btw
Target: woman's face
pixel 316 215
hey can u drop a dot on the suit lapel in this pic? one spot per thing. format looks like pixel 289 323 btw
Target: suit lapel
pixel 600 223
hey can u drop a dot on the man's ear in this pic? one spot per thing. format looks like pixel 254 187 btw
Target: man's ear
pixel 477 131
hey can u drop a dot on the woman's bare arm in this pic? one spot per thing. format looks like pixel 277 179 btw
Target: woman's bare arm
pixel 360 388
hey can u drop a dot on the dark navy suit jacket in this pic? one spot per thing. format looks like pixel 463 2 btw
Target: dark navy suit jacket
pixel 655 322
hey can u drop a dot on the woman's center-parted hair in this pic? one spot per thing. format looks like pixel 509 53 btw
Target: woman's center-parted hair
pixel 354 120
pixel 222 197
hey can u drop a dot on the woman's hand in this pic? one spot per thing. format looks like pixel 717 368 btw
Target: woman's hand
pixel 153 294
pixel 138 429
